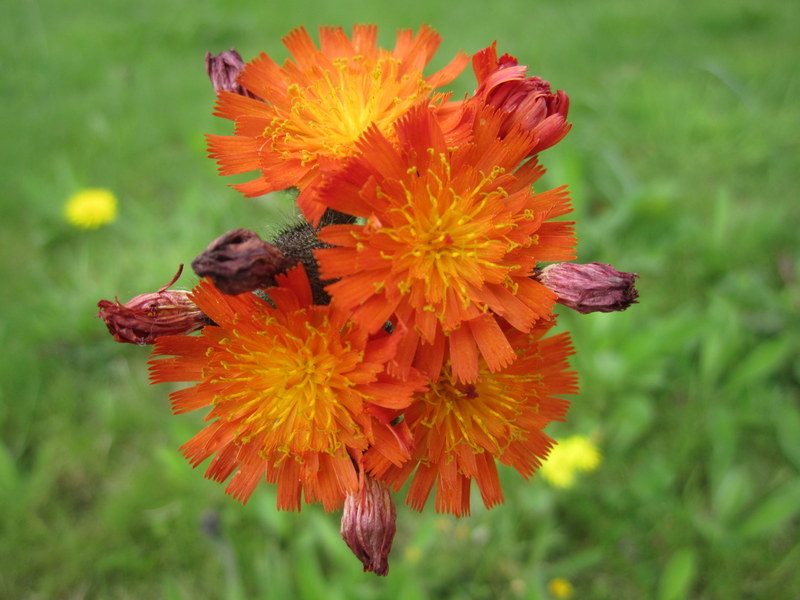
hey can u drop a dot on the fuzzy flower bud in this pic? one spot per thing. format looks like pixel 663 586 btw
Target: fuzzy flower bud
pixel 240 261
pixel 223 69
pixel 593 287
pixel 147 317
pixel 298 244
pixel 368 524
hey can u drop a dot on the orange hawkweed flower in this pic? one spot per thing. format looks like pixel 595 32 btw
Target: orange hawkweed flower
pixel 297 393
pixel 450 239
pixel 460 430
pixel 310 112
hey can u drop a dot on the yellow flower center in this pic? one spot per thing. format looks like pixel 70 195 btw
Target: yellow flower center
pixel 481 415
pixel 452 233
pixel 296 388
pixel 334 107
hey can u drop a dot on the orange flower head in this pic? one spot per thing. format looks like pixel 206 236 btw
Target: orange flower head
pixel 297 393
pixel 450 239
pixel 309 113
pixel 460 430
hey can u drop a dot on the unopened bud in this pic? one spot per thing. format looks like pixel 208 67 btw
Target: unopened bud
pixel 368 524
pixel 528 102
pixel 147 317
pixel 240 261
pixel 224 69
pixel 593 287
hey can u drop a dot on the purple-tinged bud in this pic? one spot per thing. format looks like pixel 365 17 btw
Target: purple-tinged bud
pixel 223 69
pixel 147 317
pixel 240 261
pixel 368 524
pixel 593 287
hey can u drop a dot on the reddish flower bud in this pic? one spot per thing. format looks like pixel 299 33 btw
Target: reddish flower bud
pixel 147 317
pixel 593 287
pixel 223 69
pixel 368 524
pixel 527 101
pixel 240 261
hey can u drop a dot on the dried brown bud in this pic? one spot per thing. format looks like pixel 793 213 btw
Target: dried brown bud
pixel 593 287
pixel 147 317
pixel 223 69
pixel 368 524
pixel 240 261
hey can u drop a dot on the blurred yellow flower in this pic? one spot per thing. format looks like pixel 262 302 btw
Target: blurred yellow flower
pixel 573 454
pixel 91 208
pixel 413 554
pixel 560 588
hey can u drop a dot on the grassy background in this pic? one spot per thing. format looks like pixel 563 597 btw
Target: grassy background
pixel 683 163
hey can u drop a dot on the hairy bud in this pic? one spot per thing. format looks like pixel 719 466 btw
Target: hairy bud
pixel 368 524
pixel 593 287
pixel 298 243
pixel 147 317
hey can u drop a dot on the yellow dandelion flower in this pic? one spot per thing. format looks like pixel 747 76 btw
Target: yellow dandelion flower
pixel 560 588
pixel 573 454
pixel 447 246
pixel 91 208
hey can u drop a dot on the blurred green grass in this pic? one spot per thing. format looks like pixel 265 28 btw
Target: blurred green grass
pixel 683 164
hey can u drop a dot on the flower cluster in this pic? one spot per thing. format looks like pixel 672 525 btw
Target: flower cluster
pixel 401 332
